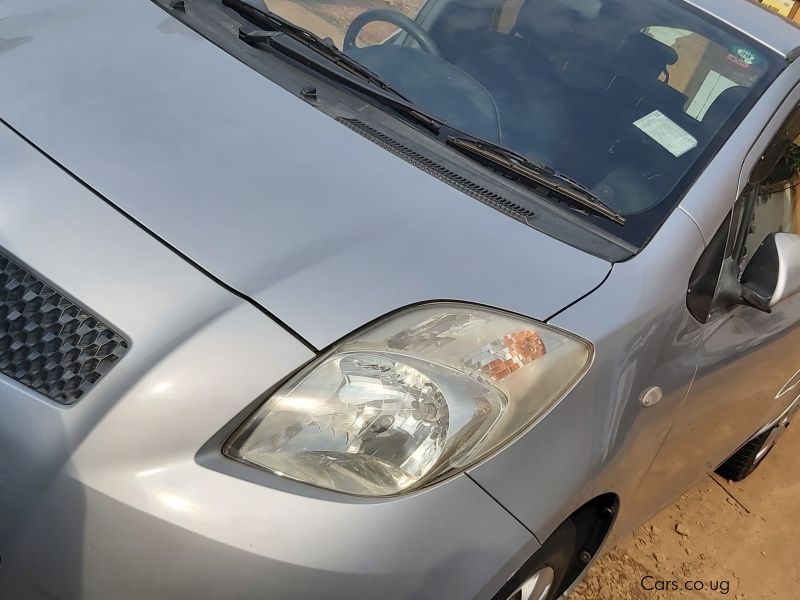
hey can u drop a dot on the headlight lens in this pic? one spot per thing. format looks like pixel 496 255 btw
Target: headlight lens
pixel 419 396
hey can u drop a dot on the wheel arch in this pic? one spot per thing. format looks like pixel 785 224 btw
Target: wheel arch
pixel 588 527
pixel 593 521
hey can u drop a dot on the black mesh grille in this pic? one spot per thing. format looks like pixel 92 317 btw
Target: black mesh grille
pixel 49 343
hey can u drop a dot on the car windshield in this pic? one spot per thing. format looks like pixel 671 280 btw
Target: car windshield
pixel 628 98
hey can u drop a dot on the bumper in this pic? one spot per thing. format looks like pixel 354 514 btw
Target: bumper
pixel 133 511
pixel 83 544
pixel 111 497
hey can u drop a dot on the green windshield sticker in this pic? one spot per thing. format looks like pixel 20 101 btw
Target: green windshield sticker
pixel 744 57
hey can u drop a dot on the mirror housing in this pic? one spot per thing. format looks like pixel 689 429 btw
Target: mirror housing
pixel 773 274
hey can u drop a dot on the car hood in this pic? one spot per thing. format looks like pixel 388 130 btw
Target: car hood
pixel 313 222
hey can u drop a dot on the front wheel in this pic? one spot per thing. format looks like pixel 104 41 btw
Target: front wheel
pixel 745 460
pixel 542 577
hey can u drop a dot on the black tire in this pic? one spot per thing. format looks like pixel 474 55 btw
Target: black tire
pixel 557 552
pixel 743 462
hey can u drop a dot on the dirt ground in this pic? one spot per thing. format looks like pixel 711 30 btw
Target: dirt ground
pixel 740 537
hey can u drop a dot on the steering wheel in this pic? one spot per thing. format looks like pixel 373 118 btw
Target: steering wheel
pixel 385 15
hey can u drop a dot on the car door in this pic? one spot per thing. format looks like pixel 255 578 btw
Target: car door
pixel 748 360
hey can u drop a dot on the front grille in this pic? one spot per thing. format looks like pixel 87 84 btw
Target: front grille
pixel 48 342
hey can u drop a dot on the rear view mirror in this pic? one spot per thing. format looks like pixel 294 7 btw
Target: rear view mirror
pixel 773 274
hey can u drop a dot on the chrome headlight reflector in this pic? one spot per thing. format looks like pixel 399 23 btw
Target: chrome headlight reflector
pixel 419 396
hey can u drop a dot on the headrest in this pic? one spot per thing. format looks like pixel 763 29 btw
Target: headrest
pixel 547 18
pixel 642 56
pixel 723 107
pixel 588 8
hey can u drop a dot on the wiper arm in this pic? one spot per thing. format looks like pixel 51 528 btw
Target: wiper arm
pixel 359 76
pixel 271 23
pixel 534 172
pixel 393 99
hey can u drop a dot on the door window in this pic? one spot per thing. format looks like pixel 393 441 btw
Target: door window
pixel 771 202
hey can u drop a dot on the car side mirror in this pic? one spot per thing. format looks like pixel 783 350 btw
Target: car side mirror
pixel 773 274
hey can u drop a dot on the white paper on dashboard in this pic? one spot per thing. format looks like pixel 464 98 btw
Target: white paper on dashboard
pixel 667 133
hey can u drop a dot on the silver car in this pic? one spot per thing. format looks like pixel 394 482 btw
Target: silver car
pixel 321 299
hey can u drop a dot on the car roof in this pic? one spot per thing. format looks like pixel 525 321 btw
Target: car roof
pixel 769 28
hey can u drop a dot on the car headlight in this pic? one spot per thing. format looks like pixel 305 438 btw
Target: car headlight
pixel 417 397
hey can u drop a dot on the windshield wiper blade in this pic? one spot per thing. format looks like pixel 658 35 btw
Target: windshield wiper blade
pixel 534 172
pixel 270 22
pixel 359 76
pixel 387 96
